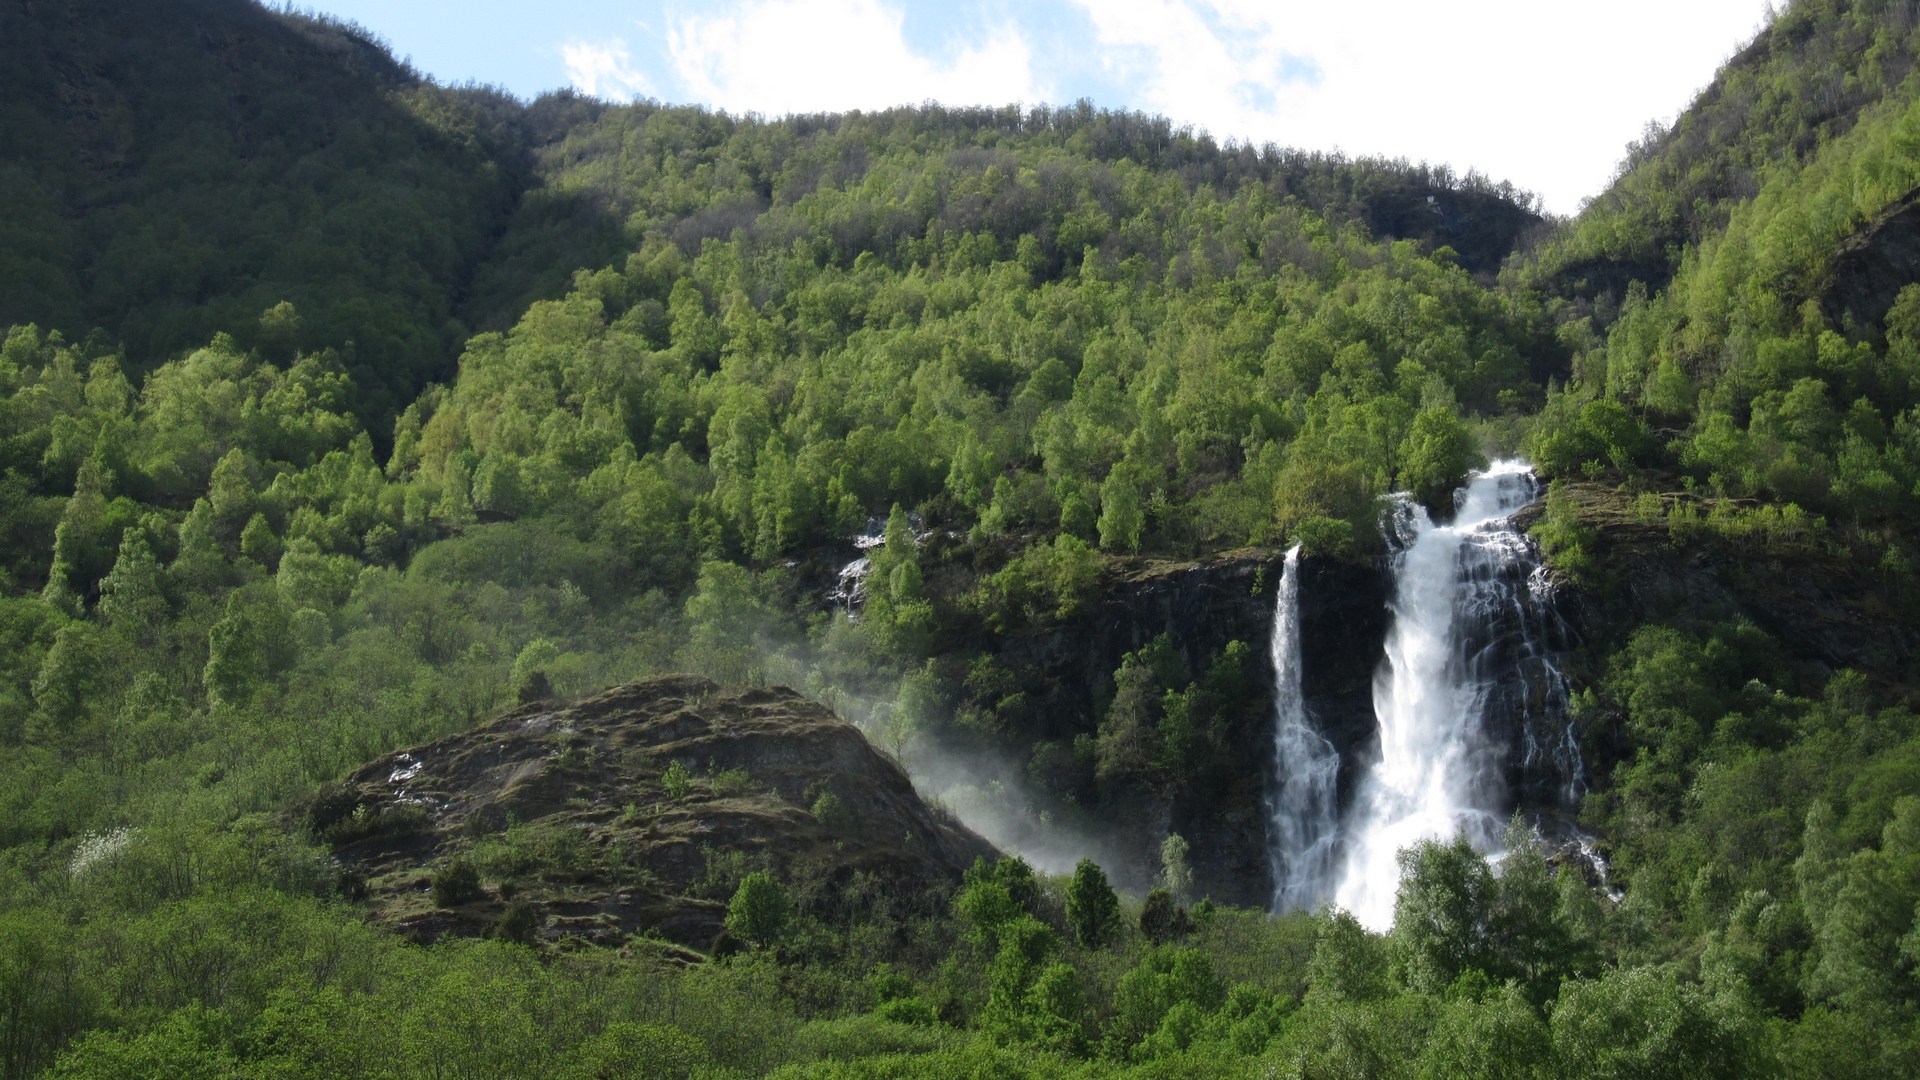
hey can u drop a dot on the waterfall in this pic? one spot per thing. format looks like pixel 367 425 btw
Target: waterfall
pixel 1306 767
pixel 1467 675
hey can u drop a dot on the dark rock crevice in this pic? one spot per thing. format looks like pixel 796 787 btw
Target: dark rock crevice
pixel 1873 265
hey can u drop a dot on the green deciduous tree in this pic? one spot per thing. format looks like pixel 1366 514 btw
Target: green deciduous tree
pixel 760 909
pixel 58 593
pixel 1163 980
pixel 1127 735
pixel 1437 455
pixel 44 999
pixel 236 658
pixel 1645 1023
pixel 1860 908
pixel 1348 963
pixel 725 619
pixel 456 883
pixel 1093 910
pixel 131 596
pixel 258 542
pixel 1176 869
pixel 1440 914
pixel 1499 1037
pixel 190 1044
pixel 1528 937
pixel 1122 518
pixel 1327 506
pixel 68 676
pixel 1029 999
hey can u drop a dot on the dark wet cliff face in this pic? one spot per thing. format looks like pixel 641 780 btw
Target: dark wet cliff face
pixel 1827 610
pixel 1202 607
pixel 1343 629
pixel 1873 265
pixel 1827 613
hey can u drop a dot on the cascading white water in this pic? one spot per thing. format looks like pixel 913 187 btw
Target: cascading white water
pixel 1306 766
pixel 1457 589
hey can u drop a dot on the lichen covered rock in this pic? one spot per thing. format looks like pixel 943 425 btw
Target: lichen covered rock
pixel 637 811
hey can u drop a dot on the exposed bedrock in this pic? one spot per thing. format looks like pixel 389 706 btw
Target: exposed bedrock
pixel 571 810
pixel 1202 606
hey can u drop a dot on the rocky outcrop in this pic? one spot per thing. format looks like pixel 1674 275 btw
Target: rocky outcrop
pixel 571 810
pixel 1202 606
pixel 1873 265
pixel 1829 607
pixel 1343 628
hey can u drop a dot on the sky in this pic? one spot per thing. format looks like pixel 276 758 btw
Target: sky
pixel 1544 93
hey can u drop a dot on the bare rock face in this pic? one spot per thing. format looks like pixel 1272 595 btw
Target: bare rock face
pixel 636 812
pixel 1343 629
pixel 1202 606
pixel 1873 265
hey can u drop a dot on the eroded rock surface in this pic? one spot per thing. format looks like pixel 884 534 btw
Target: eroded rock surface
pixel 570 810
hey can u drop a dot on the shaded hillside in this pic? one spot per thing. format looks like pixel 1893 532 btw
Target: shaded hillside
pixel 1881 258
pixel 175 169
pixel 579 812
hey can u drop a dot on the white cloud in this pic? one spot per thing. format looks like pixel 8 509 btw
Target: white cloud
pixel 1544 94
pixel 1207 63
pixel 604 70
pixel 780 56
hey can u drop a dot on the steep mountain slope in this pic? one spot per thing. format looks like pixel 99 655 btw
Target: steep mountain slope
pixel 1803 80
pixel 176 169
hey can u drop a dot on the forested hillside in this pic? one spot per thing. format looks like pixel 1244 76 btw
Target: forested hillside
pixel 174 170
pixel 344 412
pixel 1803 81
